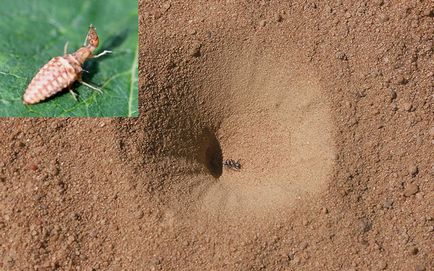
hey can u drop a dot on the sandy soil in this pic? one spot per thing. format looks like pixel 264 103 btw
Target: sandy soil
pixel 328 106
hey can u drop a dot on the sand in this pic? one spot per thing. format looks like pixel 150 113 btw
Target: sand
pixel 327 106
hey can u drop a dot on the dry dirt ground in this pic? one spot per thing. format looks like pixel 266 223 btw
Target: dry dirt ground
pixel 328 105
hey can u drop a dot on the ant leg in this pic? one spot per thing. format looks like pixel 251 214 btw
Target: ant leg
pixel 103 53
pixel 65 49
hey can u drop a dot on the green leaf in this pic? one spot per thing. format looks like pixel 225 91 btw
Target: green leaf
pixel 34 31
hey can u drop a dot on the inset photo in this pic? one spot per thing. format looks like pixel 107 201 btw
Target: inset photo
pixel 69 58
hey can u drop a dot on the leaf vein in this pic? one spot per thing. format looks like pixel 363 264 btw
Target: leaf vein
pixel 133 80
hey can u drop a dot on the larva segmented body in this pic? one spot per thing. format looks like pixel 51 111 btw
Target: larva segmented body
pixel 53 77
pixel 60 72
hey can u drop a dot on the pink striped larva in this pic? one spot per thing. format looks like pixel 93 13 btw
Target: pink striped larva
pixel 60 72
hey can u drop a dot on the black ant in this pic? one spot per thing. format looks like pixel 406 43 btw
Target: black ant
pixel 232 164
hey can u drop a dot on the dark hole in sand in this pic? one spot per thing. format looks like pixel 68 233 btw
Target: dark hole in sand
pixel 213 155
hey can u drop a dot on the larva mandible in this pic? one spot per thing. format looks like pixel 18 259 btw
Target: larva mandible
pixel 60 72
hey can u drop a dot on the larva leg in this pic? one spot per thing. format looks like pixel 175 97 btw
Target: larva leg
pixel 90 86
pixel 74 95
pixel 80 80
pixel 103 53
pixel 65 49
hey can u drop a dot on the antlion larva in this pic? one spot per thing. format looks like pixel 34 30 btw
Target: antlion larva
pixel 60 72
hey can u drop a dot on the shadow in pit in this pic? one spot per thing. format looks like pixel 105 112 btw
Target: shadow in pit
pixel 213 154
